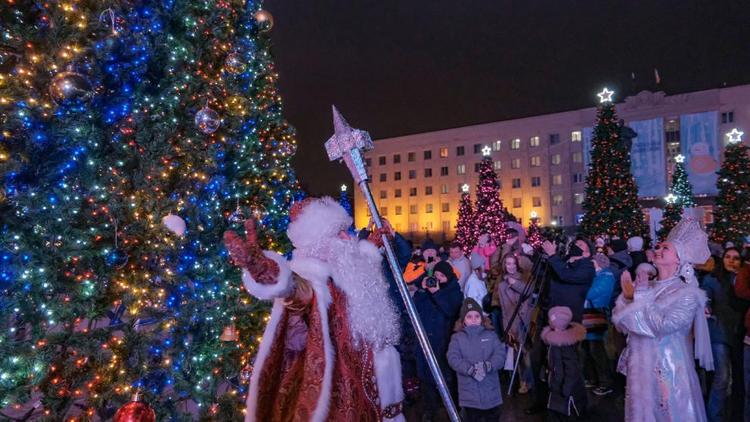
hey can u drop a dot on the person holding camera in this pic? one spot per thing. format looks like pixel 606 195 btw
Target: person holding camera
pixel 438 301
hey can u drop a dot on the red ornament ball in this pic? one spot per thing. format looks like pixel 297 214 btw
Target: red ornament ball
pixel 135 411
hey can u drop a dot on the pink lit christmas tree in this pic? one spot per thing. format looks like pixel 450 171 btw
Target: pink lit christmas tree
pixel 489 213
pixel 464 226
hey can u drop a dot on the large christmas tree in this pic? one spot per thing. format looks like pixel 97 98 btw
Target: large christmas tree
pixel 611 202
pixel 680 197
pixel 134 134
pixel 732 212
pixel 489 213
pixel 465 224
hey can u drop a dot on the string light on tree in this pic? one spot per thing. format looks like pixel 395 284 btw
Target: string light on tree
pixel 489 213
pixel 465 235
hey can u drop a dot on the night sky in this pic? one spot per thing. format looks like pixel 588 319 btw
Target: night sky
pixel 396 67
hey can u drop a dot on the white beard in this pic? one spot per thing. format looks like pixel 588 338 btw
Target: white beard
pixel 372 315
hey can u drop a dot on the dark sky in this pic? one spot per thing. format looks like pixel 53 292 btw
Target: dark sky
pixel 396 67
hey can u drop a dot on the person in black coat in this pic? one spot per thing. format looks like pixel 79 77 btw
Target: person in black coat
pixel 570 279
pixel 438 303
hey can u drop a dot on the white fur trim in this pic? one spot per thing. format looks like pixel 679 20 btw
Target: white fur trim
pixel 320 219
pixel 388 375
pixel 316 272
pixel 263 350
pixel 281 288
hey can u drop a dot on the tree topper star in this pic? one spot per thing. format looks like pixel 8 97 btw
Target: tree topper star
pixel 343 188
pixel 605 96
pixel 735 136
pixel 465 188
pixel 486 151
pixel 671 198
pixel 679 158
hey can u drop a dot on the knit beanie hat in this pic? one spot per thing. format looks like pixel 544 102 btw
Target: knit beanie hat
pixel 445 268
pixel 560 317
pixel 618 245
pixel 601 260
pixel 469 305
pixel 635 243
pixel 477 261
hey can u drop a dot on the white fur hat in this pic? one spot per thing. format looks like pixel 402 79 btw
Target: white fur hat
pixel 314 219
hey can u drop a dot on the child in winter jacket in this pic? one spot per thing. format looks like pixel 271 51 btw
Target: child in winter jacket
pixel 476 354
pixel 567 393
pixel 475 286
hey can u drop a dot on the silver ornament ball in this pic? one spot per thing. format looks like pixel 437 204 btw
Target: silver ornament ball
pixel 207 120
pixel 264 19
pixel 70 86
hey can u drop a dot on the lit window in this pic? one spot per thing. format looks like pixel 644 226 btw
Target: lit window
pixel 445 207
pixel 443 188
pixel 536 201
pixel 557 200
pixel 413 226
pixel 577 157
pixel 428 208
pixel 428 190
pixel 557 179
pixel 461 169
pixel 536 161
pixel 383 194
pixel 516 202
pixel 536 181
pixel 578 197
pixel 496 145
pixel 444 152
pixel 398 210
pixel 381 160
pixel 515 144
pixel 575 136
pixel 556 159
pixel 515 163
pixel 534 141
pixel 498 165
pixel 412 209
pixel 516 183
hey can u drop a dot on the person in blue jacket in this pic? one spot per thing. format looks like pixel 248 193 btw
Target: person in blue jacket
pixel 596 366
pixel 438 302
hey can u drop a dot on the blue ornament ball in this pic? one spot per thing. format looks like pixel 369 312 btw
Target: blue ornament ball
pixel 117 258
pixel 207 120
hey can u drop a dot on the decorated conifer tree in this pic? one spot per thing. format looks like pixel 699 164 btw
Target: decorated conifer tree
pixel 465 224
pixel 534 233
pixel 344 200
pixel 611 202
pixel 732 212
pixel 489 213
pixel 680 197
pixel 134 134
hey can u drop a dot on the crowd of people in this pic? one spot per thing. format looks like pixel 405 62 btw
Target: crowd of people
pixel 669 320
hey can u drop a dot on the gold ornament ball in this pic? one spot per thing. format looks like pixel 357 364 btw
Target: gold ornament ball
pixel 264 19
pixel 237 105
pixel 67 86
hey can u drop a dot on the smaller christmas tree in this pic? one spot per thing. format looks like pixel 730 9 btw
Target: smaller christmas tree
pixel 464 225
pixel 534 234
pixel 732 212
pixel 344 200
pixel 680 197
pixel 489 213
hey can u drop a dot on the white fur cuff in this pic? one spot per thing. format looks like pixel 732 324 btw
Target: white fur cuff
pixel 282 287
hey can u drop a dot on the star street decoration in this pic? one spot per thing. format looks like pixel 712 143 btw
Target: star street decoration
pixel 605 96
pixel 486 151
pixel 735 136
pixel 671 198
pixel 679 158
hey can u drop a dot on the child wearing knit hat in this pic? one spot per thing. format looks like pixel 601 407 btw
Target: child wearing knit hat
pixel 476 354
pixel 567 393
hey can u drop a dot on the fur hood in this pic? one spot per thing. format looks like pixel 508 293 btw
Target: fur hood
pixel 320 219
pixel 568 337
